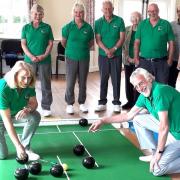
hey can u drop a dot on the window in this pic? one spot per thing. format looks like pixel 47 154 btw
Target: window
pixel 13 15
pixel 166 9
pixel 98 8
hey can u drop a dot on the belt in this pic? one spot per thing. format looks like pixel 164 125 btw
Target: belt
pixel 154 59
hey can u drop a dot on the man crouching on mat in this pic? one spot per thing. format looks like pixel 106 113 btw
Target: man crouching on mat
pixel 163 116
pixel 18 104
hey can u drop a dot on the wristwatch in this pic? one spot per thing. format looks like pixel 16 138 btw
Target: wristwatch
pixel 115 47
pixel 160 151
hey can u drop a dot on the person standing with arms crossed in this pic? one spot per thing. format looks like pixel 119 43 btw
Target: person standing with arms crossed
pixel 37 42
pixel 150 47
pixel 110 35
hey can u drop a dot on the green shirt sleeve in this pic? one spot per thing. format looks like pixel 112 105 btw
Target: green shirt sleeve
pixel 3 100
pixel 65 32
pixel 140 101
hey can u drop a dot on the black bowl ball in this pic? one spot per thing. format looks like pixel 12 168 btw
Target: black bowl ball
pixel 79 150
pixel 35 168
pixel 21 173
pixel 22 161
pixel 56 170
pixel 83 122
pixel 88 162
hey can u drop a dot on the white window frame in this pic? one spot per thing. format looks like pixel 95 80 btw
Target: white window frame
pixel 13 15
pixel 167 9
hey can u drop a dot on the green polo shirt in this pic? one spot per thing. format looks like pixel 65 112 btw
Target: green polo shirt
pixel 78 40
pixel 110 32
pixel 153 40
pixel 163 98
pixel 12 99
pixel 37 40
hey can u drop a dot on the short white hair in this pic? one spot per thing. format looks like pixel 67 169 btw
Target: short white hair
pixel 79 5
pixel 37 8
pixel 136 15
pixel 140 71
pixel 108 2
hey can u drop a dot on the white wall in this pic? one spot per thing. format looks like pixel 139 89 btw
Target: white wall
pixel 57 14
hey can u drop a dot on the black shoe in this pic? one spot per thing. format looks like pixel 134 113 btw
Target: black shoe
pixel 127 106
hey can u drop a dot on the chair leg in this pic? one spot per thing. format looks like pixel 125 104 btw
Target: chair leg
pixel 57 67
pixel 1 73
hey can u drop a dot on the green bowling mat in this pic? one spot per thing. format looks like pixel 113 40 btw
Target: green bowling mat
pixel 116 158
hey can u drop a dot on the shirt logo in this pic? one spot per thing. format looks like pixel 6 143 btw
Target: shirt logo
pixel 43 31
pixel 115 26
pixel 26 97
pixel 85 32
pixel 160 28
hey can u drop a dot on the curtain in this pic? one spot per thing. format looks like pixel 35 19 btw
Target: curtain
pixel 30 4
pixel 90 11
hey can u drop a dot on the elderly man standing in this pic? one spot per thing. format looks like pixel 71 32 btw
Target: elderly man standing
pixel 110 35
pixel 162 102
pixel 150 48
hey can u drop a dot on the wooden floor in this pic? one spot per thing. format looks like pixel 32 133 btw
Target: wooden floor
pixel 59 106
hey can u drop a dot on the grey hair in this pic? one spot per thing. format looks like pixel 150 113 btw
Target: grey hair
pixel 37 8
pixel 155 5
pixel 10 77
pixel 80 6
pixel 108 2
pixel 136 15
pixel 140 71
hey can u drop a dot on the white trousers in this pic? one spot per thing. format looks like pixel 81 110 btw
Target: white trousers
pixel 145 125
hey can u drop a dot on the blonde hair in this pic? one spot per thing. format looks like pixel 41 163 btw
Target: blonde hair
pixel 37 8
pixel 140 71
pixel 79 5
pixel 10 76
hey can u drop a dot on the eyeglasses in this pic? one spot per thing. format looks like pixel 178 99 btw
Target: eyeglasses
pixel 153 11
pixel 139 85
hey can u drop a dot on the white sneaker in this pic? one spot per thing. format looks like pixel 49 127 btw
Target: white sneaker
pixel 117 108
pixel 32 156
pixel 46 112
pixel 100 107
pixel 70 109
pixel 146 158
pixel 83 108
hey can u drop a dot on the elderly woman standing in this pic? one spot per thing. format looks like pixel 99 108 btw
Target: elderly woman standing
pixel 128 55
pixel 77 38
pixel 37 43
